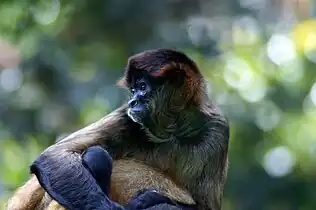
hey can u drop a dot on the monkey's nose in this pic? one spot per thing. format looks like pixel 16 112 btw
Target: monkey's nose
pixel 132 103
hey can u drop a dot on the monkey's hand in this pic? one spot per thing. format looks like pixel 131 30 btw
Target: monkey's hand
pixel 147 198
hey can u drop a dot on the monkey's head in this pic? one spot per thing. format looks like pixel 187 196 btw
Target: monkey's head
pixel 162 83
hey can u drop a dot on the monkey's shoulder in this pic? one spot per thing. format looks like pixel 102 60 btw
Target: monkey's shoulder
pixel 213 116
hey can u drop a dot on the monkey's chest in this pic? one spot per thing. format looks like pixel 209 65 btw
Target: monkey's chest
pixel 130 176
pixel 141 168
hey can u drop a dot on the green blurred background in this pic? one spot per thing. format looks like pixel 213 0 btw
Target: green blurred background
pixel 60 60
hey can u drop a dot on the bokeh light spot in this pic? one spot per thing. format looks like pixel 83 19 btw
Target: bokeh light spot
pixel 253 4
pixel 291 72
pixel 255 89
pixel 313 94
pixel 198 27
pixel 301 33
pixel 10 79
pixel 280 49
pixel 279 161
pixel 268 116
pixel 245 31
pixel 46 11
pixel 310 47
pixel 29 96
pixel 236 72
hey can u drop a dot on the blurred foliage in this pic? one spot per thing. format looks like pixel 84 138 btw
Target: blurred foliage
pixel 60 60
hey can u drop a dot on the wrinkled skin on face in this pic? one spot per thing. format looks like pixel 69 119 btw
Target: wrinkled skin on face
pixel 141 92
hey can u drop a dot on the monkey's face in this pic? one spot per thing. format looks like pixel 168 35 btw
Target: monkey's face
pixel 162 83
pixel 138 108
pixel 153 99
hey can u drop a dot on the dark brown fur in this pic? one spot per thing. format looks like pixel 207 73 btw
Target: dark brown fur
pixel 194 157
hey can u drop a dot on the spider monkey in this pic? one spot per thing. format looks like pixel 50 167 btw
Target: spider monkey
pixel 169 136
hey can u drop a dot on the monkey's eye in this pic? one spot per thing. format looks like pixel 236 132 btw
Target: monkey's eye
pixel 133 90
pixel 142 86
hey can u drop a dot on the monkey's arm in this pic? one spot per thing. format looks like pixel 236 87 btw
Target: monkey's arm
pixel 61 162
pixel 65 154
pixel 68 191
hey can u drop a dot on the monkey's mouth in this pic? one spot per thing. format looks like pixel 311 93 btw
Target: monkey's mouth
pixel 136 115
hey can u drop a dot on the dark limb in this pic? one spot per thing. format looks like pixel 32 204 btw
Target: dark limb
pixel 76 188
pixel 150 199
pixel 60 171
pixel 99 162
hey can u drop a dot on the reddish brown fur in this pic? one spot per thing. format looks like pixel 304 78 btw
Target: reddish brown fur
pixel 130 175
pixel 193 84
